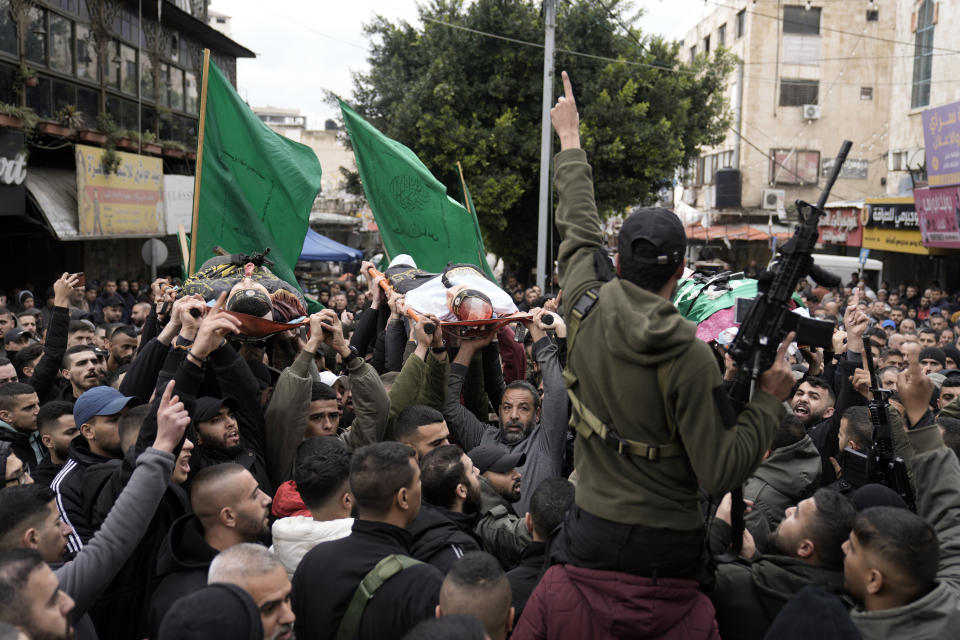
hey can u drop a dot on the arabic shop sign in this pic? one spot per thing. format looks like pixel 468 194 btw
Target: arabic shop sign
pixel 853 168
pixel 939 214
pixel 840 225
pixel 126 203
pixel 941 136
pixel 889 215
pixel 13 173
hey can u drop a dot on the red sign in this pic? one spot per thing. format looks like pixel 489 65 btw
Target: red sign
pixel 840 225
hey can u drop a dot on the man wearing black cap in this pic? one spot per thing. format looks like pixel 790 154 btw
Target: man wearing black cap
pixel 652 418
pixel 504 533
pixel 16 339
pixel 932 360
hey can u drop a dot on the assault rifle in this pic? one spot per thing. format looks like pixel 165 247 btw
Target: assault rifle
pixel 770 319
pixel 879 464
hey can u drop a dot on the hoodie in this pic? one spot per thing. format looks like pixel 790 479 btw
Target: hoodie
pixel 26 445
pixel 789 475
pixel 615 358
pixel 182 566
pixel 441 536
pixel 287 502
pixel 293 537
pixel 571 602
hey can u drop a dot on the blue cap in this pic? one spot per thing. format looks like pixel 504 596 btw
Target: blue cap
pixel 99 401
pixel 889 323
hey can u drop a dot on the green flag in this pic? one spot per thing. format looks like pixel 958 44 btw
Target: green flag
pixel 413 211
pixel 697 307
pixel 254 188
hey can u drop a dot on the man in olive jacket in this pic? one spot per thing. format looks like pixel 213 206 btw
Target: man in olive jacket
pixel 686 432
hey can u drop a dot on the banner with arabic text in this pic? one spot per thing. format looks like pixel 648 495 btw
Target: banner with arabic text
pixel 126 203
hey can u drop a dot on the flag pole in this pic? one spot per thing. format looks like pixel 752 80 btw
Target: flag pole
pixel 192 266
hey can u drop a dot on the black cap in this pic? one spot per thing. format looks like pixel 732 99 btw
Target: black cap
pixel 489 457
pixel 253 302
pixel 876 495
pixel 215 611
pixel 658 226
pixel 208 407
pixel 15 334
pixel 113 301
pixel 934 353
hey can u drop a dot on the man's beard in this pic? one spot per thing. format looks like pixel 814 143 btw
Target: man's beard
pixel 513 437
pixel 812 417
pixel 473 500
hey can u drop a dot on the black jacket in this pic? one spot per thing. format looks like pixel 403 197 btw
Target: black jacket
pixel 75 491
pixel 22 446
pixel 441 536
pixel 329 575
pixel 525 576
pixel 182 566
pixel 44 380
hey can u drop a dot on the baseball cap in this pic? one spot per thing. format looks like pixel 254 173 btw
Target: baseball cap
pixel 497 459
pixel 328 378
pixel 889 323
pixel 15 334
pixel 99 401
pixel 113 301
pixel 208 407
pixel 658 226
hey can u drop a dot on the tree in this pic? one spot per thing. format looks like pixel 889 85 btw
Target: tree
pixel 103 14
pixel 451 94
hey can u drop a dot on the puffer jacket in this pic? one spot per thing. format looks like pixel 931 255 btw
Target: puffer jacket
pixel 293 537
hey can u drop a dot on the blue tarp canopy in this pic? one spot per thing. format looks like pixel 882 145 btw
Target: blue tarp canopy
pixel 318 247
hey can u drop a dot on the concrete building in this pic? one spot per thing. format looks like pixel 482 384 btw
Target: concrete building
pixel 219 21
pixel 811 74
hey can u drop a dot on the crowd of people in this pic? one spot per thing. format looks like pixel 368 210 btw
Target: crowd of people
pixel 371 476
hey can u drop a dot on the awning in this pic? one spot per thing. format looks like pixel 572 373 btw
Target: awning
pixel 331 219
pixel 318 247
pixel 746 232
pixel 54 192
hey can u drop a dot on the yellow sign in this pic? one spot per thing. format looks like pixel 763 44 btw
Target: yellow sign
pixel 899 240
pixel 126 203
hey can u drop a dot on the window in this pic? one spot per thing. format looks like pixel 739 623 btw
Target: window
pixel 61 44
pixel 706 44
pixel 164 97
pixel 794 167
pixel 726 160
pixel 176 88
pixel 113 65
pixel 146 79
pixel 801 20
pixel 36 37
pixel 866 93
pixel 722 35
pixel 873 15
pixel 795 93
pixel 741 20
pixel 923 55
pixel 8 31
pixel 693 53
pixel 190 95
pixel 174 48
pixel 86 54
pixel 128 69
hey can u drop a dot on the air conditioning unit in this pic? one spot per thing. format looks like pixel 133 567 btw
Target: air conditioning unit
pixel 773 199
pixel 811 111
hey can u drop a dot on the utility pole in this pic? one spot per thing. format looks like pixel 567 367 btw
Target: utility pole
pixel 546 142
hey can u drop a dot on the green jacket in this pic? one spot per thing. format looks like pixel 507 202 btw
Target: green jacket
pixel 615 358
pixel 790 474
pixel 503 532
pixel 419 382
pixel 936 476
pixel 289 407
pixel 748 597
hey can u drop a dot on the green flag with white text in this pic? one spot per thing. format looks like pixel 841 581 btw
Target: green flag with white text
pixel 412 209
pixel 255 188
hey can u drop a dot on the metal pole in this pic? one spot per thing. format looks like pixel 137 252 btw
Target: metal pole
pixel 546 141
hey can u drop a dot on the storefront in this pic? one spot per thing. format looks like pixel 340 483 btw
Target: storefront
pixel 891 230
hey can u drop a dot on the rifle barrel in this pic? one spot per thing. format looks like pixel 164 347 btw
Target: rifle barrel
pixel 834 173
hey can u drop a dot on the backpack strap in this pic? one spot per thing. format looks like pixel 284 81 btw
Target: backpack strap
pixel 383 571
pixel 588 424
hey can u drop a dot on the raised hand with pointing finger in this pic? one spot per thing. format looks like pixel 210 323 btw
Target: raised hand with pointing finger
pixel 565 117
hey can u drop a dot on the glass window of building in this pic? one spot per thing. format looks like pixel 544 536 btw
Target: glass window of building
pixel 722 35
pixel 113 65
pixel 86 54
pixel 61 44
pixel 8 31
pixel 37 36
pixel 190 92
pixel 923 55
pixel 164 97
pixel 64 94
pixel 128 69
pixel 146 79
pixel 176 88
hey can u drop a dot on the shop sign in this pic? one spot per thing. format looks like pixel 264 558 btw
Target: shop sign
pixel 840 226
pixel 126 203
pixel 852 169
pixel 13 173
pixel 898 240
pixel 890 216
pixel 941 138
pixel 938 210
